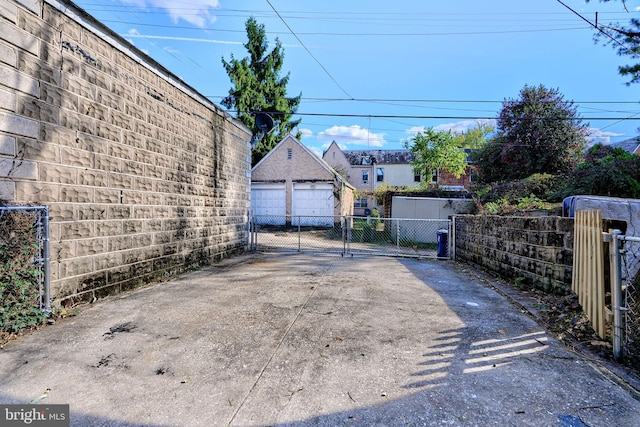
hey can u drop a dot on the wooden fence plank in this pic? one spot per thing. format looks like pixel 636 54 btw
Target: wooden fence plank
pixel 588 267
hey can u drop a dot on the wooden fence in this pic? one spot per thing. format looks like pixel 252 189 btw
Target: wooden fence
pixel 588 267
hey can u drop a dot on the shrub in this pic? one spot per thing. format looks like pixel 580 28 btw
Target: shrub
pixel 19 276
pixel 606 171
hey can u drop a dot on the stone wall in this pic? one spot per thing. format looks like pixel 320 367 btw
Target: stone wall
pixel 144 177
pixel 536 250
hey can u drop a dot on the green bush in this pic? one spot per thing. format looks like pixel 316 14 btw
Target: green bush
pixel 537 192
pixel 19 276
pixel 606 171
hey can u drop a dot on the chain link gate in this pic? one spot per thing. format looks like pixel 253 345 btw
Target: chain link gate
pixel 36 218
pixel 629 283
pixel 351 235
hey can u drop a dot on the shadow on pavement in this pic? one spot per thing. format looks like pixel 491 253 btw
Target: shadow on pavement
pixel 313 340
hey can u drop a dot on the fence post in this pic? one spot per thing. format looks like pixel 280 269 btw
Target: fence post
pixel 47 260
pixel 452 238
pixel 299 234
pixel 616 292
pixel 254 227
pixel 343 227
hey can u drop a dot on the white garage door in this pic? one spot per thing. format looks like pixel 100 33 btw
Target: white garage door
pixel 269 203
pixel 313 204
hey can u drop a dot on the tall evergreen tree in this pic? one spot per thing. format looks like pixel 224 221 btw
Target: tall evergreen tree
pixel 258 87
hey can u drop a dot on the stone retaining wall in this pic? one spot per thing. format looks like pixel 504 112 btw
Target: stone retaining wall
pixel 144 177
pixel 536 250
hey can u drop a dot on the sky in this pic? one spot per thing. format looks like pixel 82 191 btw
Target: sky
pixel 373 73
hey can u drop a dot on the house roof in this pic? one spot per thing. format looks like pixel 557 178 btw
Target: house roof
pixel 313 155
pixel 367 157
pixel 385 157
pixel 629 145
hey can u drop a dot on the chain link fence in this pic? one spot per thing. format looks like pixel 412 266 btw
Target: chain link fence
pixel 631 304
pixel 24 266
pixel 296 233
pixel 350 235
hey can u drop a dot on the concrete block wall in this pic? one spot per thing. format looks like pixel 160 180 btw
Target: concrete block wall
pixel 144 177
pixel 537 250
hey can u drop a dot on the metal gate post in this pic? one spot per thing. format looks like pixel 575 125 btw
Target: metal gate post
pixel 343 227
pixel 255 233
pixel 299 234
pixel 349 235
pixel 47 260
pixel 616 292
pixel 452 238
pixel 249 233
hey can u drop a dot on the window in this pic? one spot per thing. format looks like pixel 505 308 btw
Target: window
pixel 473 175
pixel 434 176
pixel 289 154
pixel 380 174
pixel 365 177
pixel 360 203
pixel 416 176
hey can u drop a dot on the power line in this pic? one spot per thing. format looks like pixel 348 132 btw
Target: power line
pixel 427 100
pixel 314 14
pixel 616 41
pixel 354 34
pixel 308 51
pixel 404 116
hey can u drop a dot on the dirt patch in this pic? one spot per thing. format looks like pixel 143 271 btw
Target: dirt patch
pixel 563 316
pixel 121 328
pixel 104 361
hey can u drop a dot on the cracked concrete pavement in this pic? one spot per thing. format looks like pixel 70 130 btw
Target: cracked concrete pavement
pixel 311 339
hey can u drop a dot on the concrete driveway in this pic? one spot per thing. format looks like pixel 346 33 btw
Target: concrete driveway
pixel 311 339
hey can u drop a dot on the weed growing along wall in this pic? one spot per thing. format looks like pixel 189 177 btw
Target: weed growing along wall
pixel 144 177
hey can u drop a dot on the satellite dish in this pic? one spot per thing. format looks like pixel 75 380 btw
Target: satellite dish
pixel 264 122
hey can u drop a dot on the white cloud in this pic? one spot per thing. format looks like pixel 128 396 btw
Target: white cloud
pixel 196 12
pixel 184 39
pixel 306 132
pixel 316 151
pixel 351 135
pixel 463 126
pixel 455 127
pixel 415 130
pixel 596 135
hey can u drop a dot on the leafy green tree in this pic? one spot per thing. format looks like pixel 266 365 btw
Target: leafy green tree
pixel 606 171
pixel 258 87
pixel 540 132
pixel 433 150
pixel 476 137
